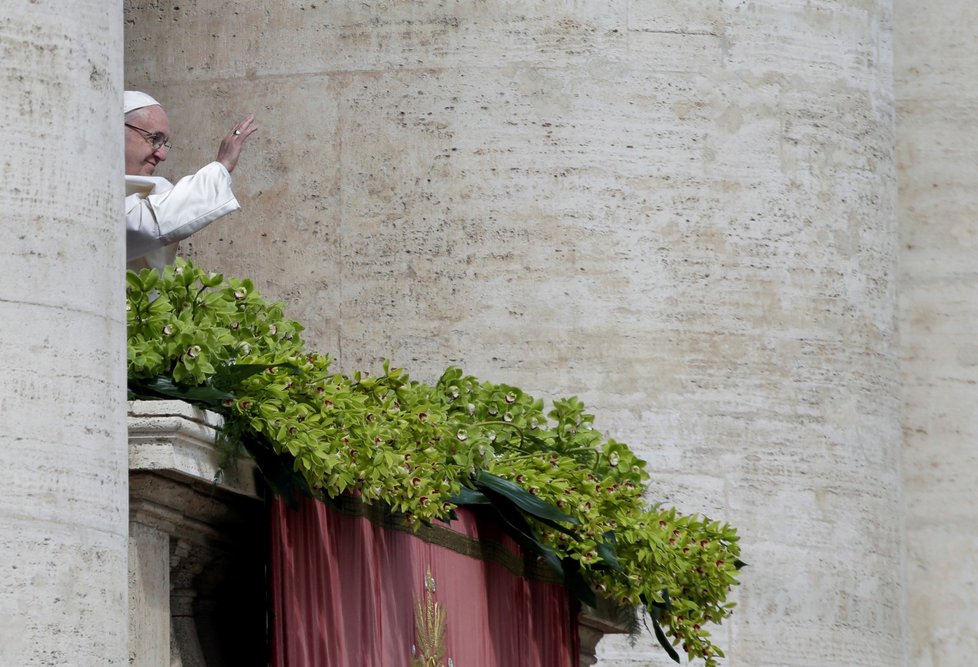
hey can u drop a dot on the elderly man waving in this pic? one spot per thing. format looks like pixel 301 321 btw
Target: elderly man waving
pixel 159 213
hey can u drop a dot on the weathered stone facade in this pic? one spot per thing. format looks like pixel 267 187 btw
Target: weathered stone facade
pixel 683 214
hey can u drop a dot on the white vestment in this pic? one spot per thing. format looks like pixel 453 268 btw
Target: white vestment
pixel 159 213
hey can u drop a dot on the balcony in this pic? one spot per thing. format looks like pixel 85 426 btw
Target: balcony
pixel 198 547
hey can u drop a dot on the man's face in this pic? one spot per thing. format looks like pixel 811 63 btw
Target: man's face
pixel 141 157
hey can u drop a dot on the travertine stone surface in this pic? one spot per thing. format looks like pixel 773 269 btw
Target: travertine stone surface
pixel 149 596
pixel 190 528
pixel 62 336
pixel 167 436
pixel 682 213
pixel 936 68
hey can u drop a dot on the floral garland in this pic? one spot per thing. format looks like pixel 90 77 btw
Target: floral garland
pixel 562 489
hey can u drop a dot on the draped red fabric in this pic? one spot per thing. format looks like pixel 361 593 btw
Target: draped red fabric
pixel 344 589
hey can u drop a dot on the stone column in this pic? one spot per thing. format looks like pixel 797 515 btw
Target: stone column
pixel 681 212
pixel 936 62
pixel 62 335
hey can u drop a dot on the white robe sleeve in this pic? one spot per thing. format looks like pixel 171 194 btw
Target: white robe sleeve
pixel 159 213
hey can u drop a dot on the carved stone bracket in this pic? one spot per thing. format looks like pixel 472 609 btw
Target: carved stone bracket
pixel 593 623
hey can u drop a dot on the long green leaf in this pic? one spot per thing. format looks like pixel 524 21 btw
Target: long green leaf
pixel 165 387
pixel 523 532
pixel 278 471
pixel 576 584
pixel 568 568
pixel 664 641
pixel 608 554
pixel 522 498
pixel 467 496
pixel 654 608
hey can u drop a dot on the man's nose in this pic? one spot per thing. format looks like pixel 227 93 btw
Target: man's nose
pixel 161 153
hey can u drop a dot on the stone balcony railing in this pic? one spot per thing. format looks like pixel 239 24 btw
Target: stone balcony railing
pixel 197 545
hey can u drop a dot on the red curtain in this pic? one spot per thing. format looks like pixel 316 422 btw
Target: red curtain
pixel 345 580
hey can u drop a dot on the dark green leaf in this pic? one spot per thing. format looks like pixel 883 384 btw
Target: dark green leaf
pixel 656 608
pixel 664 641
pixel 576 584
pixel 522 498
pixel 467 496
pixel 166 388
pixel 569 569
pixel 523 532
pixel 278 471
pixel 229 377
pixel 608 554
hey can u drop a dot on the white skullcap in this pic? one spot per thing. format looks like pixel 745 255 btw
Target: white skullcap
pixel 133 99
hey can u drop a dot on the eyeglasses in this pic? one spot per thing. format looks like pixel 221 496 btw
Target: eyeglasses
pixel 157 140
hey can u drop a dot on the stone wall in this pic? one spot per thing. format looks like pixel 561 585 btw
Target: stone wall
pixel 62 336
pixel 684 214
pixel 936 67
